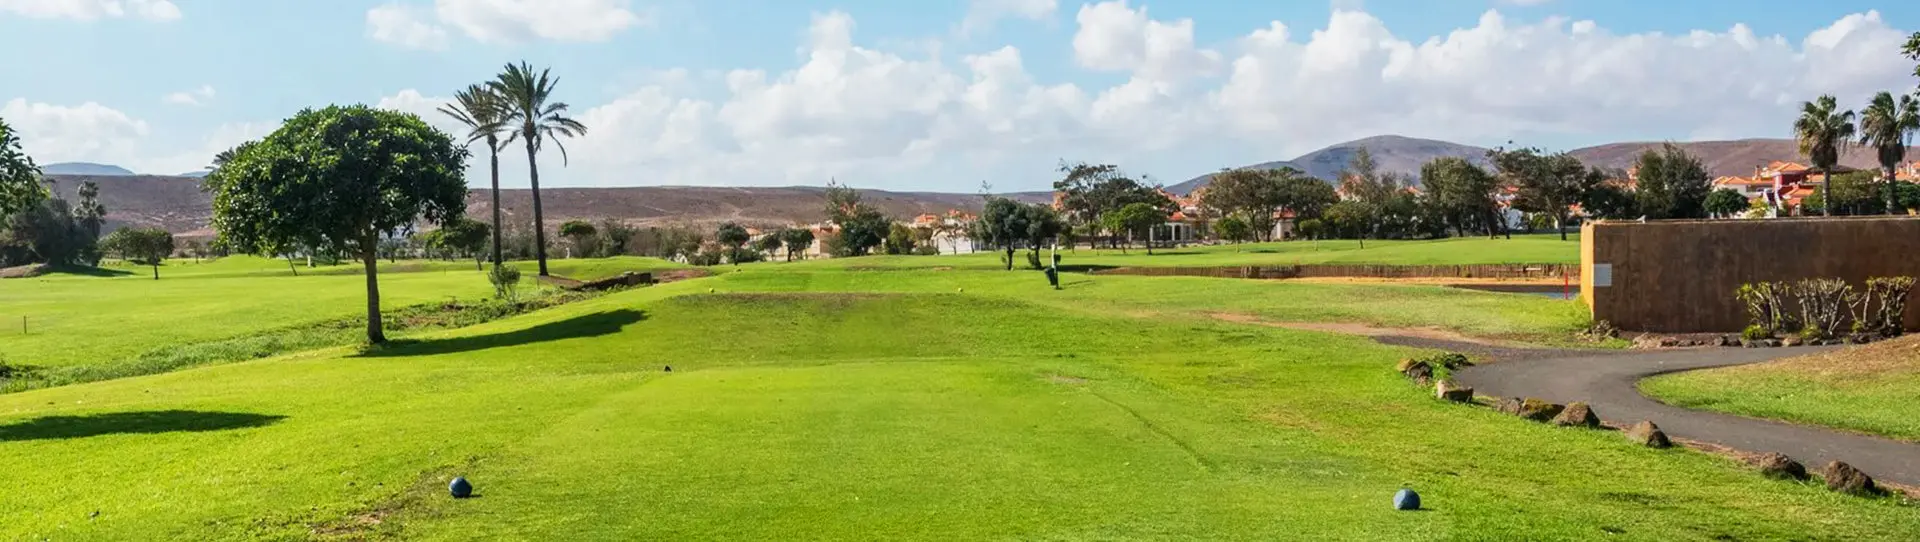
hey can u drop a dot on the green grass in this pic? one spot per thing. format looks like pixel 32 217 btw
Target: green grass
pixel 1008 411
pixel 1870 389
pixel 65 319
pixel 1538 248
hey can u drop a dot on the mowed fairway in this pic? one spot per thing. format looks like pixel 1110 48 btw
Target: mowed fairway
pixel 874 405
pixel 1532 248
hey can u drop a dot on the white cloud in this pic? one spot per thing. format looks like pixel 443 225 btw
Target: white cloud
pixel 89 10
pixel 196 97
pixel 981 14
pixel 510 21
pixel 405 26
pixel 200 155
pixel 886 118
pixel 86 132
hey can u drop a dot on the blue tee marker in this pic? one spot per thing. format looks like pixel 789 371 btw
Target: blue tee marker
pixel 1406 499
pixel 460 488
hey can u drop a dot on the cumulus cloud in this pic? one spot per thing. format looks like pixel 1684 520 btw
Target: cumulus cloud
pixel 195 97
pixel 406 26
pixel 886 118
pixel 89 10
pixel 89 131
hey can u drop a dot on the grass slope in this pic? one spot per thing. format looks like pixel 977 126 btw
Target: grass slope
pixel 1870 389
pixel 802 414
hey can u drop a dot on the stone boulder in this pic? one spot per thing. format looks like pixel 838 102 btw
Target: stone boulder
pixel 1778 465
pixel 24 271
pixel 1538 410
pixel 1647 434
pixel 1577 415
pixel 1416 370
pixel 1507 405
pixel 1447 390
pixel 1844 478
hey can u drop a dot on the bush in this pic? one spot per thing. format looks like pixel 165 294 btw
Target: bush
pixel 1823 304
pixel 1889 316
pixel 1033 260
pixel 739 256
pixel 506 282
pixel 1445 363
pixel 706 258
pixel 1756 333
pixel 926 250
pixel 1765 303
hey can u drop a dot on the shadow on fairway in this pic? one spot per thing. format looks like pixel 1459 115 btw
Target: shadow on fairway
pixel 590 325
pixel 85 271
pixel 112 423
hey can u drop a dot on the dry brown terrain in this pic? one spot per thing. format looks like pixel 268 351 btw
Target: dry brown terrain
pixel 177 204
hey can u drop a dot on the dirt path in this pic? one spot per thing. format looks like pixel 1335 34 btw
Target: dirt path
pixel 1609 382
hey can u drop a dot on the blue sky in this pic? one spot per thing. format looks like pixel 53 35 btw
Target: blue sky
pixel 942 95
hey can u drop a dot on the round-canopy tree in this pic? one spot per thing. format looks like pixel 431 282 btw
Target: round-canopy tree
pixel 19 177
pixel 337 179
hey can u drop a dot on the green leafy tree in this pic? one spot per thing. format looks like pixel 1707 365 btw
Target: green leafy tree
pixel 732 235
pixel 1885 126
pixel 1852 194
pixel 1043 224
pixel 1311 228
pixel 900 239
pixel 88 211
pixel 1672 183
pixel 581 234
pixel 1462 193
pixel 1610 200
pixel 797 241
pixel 1136 220
pixel 1912 50
pixel 1087 192
pixel 1349 218
pixel 19 176
pixel 1232 229
pixel 862 227
pixel 1247 195
pixel 483 112
pixel 1725 203
pixel 1548 184
pixel 149 246
pixel 771 241
pixel 1822 131
pixel 1002 225
pixel 338 178
pixel 465 236
pixel 533 117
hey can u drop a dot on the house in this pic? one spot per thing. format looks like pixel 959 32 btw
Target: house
pixel 949 232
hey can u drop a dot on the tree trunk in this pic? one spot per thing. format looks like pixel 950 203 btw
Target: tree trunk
pixel 291 267
pixel 372 260
pixel 1560 224
pixel 1826 196
pixel 539 219
pixel 1009 257
pixel 1890 192
pixel 156 270
pixel 493 157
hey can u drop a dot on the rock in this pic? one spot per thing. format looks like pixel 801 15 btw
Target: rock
pixel 1577 415
pixel 1753 343
pixel 667 369
pixel 1416 370
pixel 460 488
pixel 24 271
pixel 1406 499
pixel 1778 465
pixel 1790 340
pixel 1509 405
pixel 1449 391
pixel 1647 434
pixel 1538 410
pixel 1844 478
pixel 1773 343
pixel 1729 340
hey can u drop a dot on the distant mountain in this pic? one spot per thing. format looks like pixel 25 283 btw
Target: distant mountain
pixel 196 174
pixel 83 168
pixel 175 203
pixel 1722 158
pixel 1392 153
pixel 1405 155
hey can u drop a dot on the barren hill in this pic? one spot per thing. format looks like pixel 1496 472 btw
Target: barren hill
pixel 1392 153
pixel 1738 157
pixel 178 205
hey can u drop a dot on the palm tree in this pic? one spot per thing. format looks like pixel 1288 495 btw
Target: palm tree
pixel 530 117
pixel 480 109
pixel 1885 125
pixel 1823 131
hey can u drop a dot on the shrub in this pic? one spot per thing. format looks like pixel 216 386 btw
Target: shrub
pixel 926 250
pixel 1445 363
pixel 1891 292
pixel 1033 260
pixel 506 282
pixel 739 256
pixel 1765 303
pixel 1756 333
pixel 1823 305
pixel 706 258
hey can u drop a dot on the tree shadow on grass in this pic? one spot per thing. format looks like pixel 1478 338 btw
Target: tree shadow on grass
pixel 590 325
pixel 86 271
pixel 112 423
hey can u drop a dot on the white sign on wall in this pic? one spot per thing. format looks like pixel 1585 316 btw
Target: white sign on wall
pixel 1602 275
